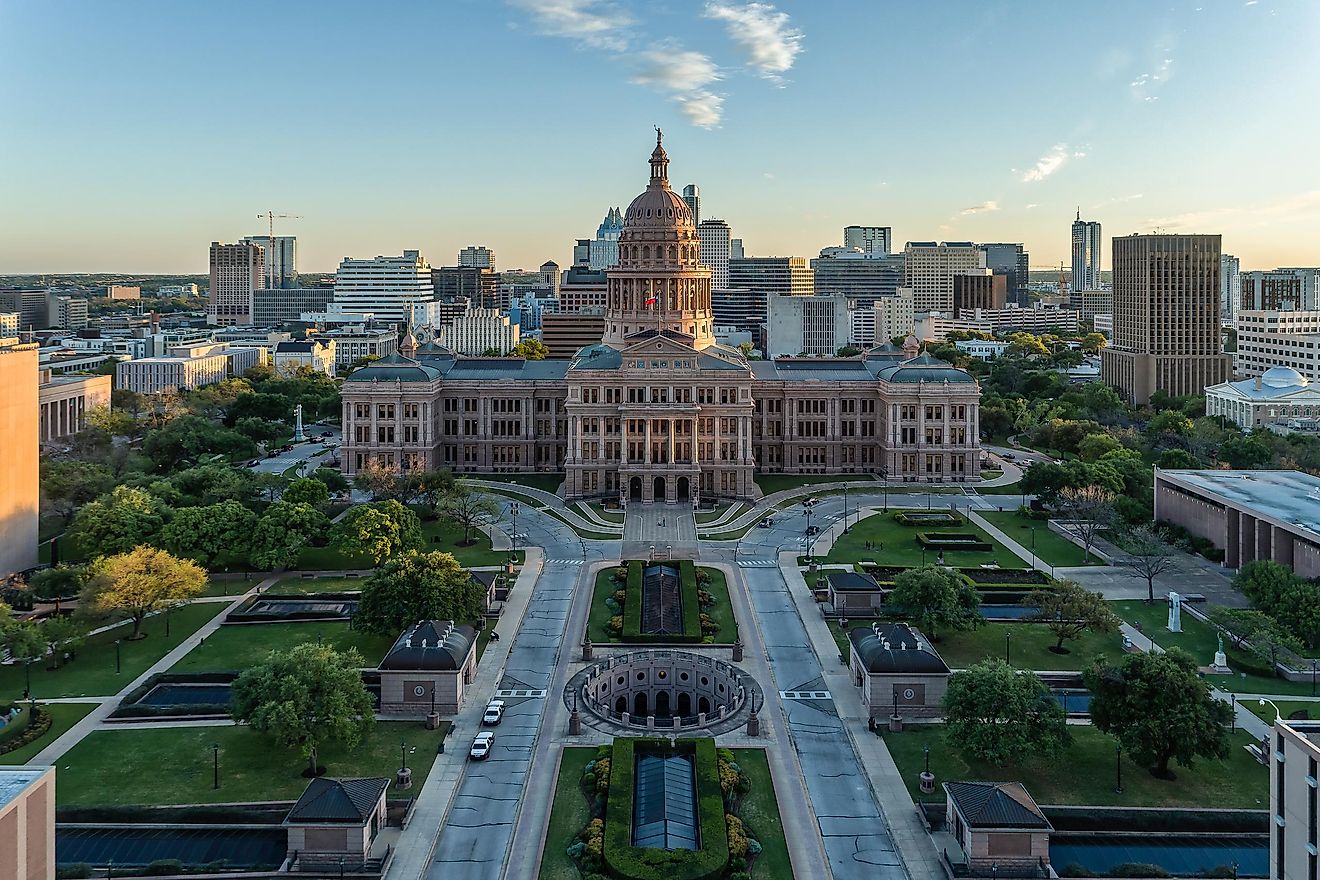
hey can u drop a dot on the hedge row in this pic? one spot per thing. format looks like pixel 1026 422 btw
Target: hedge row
pixel 929 518
pixel 627 862
pixel 38 726
pixel 953 541
pixel 632 606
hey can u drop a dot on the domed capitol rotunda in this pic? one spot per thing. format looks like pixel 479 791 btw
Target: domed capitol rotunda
pixel 658 410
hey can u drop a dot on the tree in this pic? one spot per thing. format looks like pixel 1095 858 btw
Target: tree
pixel 57 583
pixel 189 438
pixel 1093 342
pixel 998 714
pixel 1148 556
pixel 1093 446
pixel 335 481
pixel 270 486
pixel 378 478
pixel 848 351
pixel 417 586
pixel 1070 610
pixel 492 353
pixel 1088 509
pixel 204 533
pixel 141 581
pixel 307 491
pixel 1159 709
pixel 469 508
pixel 211 484
pixel 306 697
pixel 1245 452
pixel 1178 459
pixel 531 349
pixel 118 522
pixel 114 422
pixel 23 640
pixel 260 430
pixel 1169 422
pixel 432 487
pixel 378 530
pixel 61 635
pixel 936 598
pixel 69 484
pixel 1289 599
pixel 281 534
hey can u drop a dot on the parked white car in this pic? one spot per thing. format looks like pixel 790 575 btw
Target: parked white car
pixel 481 746
pixel 494 713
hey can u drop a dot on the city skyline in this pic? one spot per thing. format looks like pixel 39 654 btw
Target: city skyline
pixel 761 101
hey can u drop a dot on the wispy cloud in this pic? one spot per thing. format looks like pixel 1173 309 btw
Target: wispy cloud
pixel 683 75
pixel 1118 200
pixel 983 208
pixel 1049 163
pixel 1160 70
pixel 1301 206
pixel 703 109
pixel 596 23
pixel 1032 205
pixel 767 36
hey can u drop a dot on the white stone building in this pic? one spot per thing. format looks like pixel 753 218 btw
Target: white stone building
pixel 1269 339
pixel 384 286
pixel 1280 396
pixel 478 331
pixel 317 354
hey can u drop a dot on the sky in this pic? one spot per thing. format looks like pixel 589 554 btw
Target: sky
pixel 138 131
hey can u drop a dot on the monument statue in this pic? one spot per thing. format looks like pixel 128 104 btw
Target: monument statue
pixel 1221 660
pixel 1175 613
pixel 298 435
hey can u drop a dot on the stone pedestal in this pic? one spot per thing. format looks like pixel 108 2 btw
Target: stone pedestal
pixel 432 720
pixel 586 648
pixel 927 782
pixel 737 651
pixel 753 725
pixel 896 723
pixel 575 724
pixel 403 779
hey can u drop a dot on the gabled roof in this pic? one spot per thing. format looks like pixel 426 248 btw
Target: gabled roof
pixel 431 645
pixel 996 805
pixel 338 800
pixel 394 368
pixel 851 582
pixel 895 647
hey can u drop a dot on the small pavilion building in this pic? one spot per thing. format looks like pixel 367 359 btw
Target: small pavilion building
pixel 899 671
pixel 430 665
pixel 335 823
pixel 999 828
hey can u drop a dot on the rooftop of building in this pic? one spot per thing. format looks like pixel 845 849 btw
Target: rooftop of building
pixel 431 645
pixel 15 780
pixel 1274 383
pixel 997 805
pixel 852 582
pixel 350 801
pixel 1291 497
pixel 895 648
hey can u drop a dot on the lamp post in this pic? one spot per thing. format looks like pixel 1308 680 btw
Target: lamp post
pixel 1232 721
pixel 925 750
pixel 27 672
pixel 1008 638
pixel 1277 714
pixel 513 509
pixel 1118 768
pixel 117 663
pixel 1313 677
pixel 215 765
pixel 923 554
pixel 845 509
pixel 403 755
pixel 884 475
pixel 1033 548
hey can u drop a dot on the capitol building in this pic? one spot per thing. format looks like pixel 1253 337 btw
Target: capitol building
pixel 658 410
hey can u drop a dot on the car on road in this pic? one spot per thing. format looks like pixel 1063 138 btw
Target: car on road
pixel 494 713
pixel 807 502
pixel 766 523
pixel 327 434
pixel 481 746
pixel 1008 456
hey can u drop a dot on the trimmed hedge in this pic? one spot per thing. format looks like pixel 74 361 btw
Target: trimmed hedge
pixel 38 725
pixel 953 541
pixel 928 518
pixel 985 577
pixel 245 614
pixel 632 606
pixel 627 862
pixel 128 707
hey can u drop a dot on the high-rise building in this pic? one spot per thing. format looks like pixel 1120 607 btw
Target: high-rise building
pixel 1295 754
pixel 1011 260
pixel 123 291
pixel 564 334
pixel 550 276
pixel 692 198
pixel 274 306
pixel 28 303
pixel 874 241
pixel 815 325
pixel 66 312
pixel 1166 316
pixel 478 285
pixel 479 331
pixel 861 276
pixel 894 315
pixel 787 276
pixel 476 257
pixel 929 267
pixel 979 289
pixel 1274 338
pixel 9 324
pixel 384 286
pixel 715 235
pixel 281 259
pixel 740 309
pixel 1085 254
pixel 1230 286
pixel 1280 289
pixel 602 252
pixel 236 271
pixel 736 249
pixel 19 465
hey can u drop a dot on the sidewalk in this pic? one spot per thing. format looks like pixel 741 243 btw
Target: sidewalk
pixel 412 857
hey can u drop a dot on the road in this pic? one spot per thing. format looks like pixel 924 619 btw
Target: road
pixel 302 453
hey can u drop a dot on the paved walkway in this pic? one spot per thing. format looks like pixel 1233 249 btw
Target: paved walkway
pixel 665 530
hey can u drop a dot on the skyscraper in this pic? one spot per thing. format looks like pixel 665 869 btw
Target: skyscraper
pixel 787 276
pixel 929 267
pixel 873 240
pixel 692 198
pixel 736 249
pixel 384 286
pixel 1166 316
pixel 862 277
pixel 281 260
pixel 1085 254
pixel 475 256
pixel 603 250
pixel 1230 286
pixel 236 271
pixel 1009 260
pixel 715 237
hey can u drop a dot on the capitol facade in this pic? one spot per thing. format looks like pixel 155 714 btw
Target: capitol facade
pixel 658 410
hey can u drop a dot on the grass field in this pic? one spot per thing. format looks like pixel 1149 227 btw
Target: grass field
pixel 709 516
pixel 759 810
pixel 1006 489
pixel 437 534
pixel 62 717
pixel 610 516
pixel 722 611
pixel 598 616
pixel 297 584
pixel 589 534
pixel 568 815
pixel 173 765
pixel 898 545
pixel 92 673
pixel 1028 647
pixel 771 483
pixel 235 648
pixel 1085 773
pixel 544 482
pixel 1050 546
pixel 229 586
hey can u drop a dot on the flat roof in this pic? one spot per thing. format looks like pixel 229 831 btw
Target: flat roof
pixel 15 780
pixel 1288 497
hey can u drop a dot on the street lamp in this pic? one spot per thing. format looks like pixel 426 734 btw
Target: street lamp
pixel 117 663
pixel 926 751
pixel 845 508
pixel 884 475
pixel 1313 677
pixel 27 671
pixel 1008 638
pixel 1118 768
pixel 215 765
pixel 1033 548
pixel 1278 716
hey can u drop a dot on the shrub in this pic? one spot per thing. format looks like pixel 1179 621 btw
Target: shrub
pixel 616 624
pixel 613 605
pixel 1072 869
pixel 1137 869
pixel 163 868
pixel 75 871
pixel 574 852
pixel 621 574
pixel 620 596
pixel 37 727
pixel 737 836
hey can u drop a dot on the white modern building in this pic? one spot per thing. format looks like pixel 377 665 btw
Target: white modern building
pixel 715 236
pixel 929 267
pixel 814 325
pixel 315 354
pixel 1230 286
pixel 1277 339
pixel 1280 396
pixel 66 312
pixel 894 315
pixel 936 326
pixel 384 286
pixel 157 374
pixel 874 241
pixel 479 331
pixel 982 349
pixel 1086 247
pixel 281 258
pixel 476 256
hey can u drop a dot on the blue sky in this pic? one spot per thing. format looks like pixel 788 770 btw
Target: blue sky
pixel 138 131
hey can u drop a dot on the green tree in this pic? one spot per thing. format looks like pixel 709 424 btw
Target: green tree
pixel 118 522
pixel 1089 509
pixel 281 534
pixel 531 349
pixel 260 430
pixel 1069 609
pixel 205 533
pixel 432 487
pixel 335 481
pixel 304 698
pixel 848 351
pixel 139 582
pixel 1159 708
pixel 61 635
pixel 936 598
pixel 1093 342
pixel 492 353
pixel 69 484
pixel 22 640
pixel 417 586
pixel 114 422
pixel 378 530
pixel 469 508
pixel 1169 422
pixel 213 483
pixel 307 491
pixel 1245 452
pixel 58 583
pixel 998 714
pixel 1178 459
pixel 1093 446
pixel 190 438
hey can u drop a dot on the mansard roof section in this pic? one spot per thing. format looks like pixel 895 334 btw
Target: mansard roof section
pixel 395 368
pixel 499 369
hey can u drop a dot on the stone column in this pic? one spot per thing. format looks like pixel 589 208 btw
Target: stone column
pixel 647 456
pixel 671 423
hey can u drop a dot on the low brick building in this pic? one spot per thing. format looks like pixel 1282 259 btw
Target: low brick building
pixel 334 820
pixel 429 667
pixel 852 594
pixel 898 670
pixel 1000 828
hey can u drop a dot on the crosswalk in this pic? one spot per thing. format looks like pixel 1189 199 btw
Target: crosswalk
pixel 519 694
pixel 577 561
pixel 805 695
pixel 757 563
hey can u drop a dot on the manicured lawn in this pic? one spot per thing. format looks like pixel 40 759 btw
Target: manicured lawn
pixel 1286 708
pixel 899 545
pixel 330 559
pixel 1028 647
pixel 771 483
pixel 598 617
pixel 544 482
pixel 1084 773
pixel 759 810
pixel 1006 489
pixel 444 535
pixel 722 611
pixel 709 516
pixel 1050 546
pixel 63 716
pixel 613 516
pixel 173 765
pixel 92 673
pixel 297 584
pixel 235 648
pixel 569 814
pixel 229 586
pixel 589 534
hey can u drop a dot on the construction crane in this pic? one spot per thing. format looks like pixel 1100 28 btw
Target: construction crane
pixel 270 241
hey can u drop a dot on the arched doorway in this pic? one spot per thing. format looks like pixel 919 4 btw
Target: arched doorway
pixel 659 492
pixel 639 706
pixel 684 705
pixel 635 489
pixel 621 705
pixel 703 706
pixel 683 489
pixel 662 704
